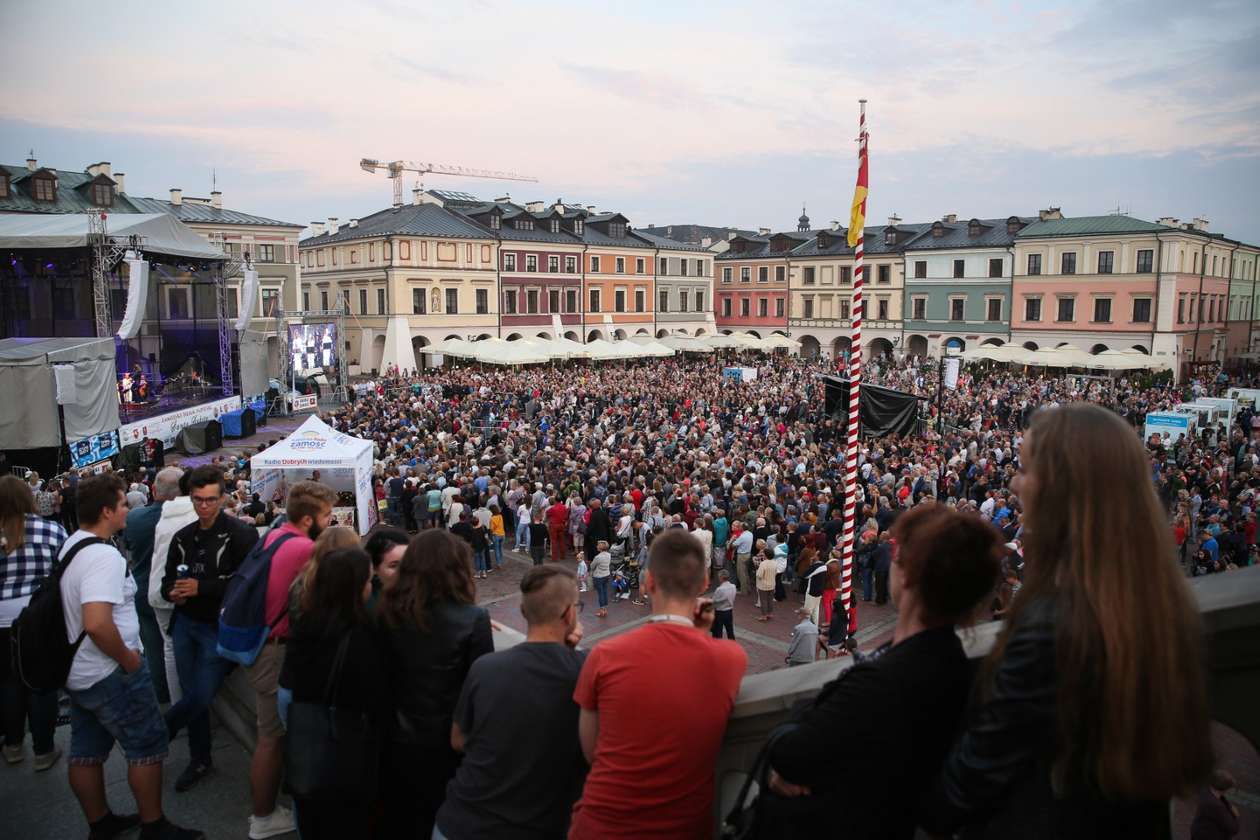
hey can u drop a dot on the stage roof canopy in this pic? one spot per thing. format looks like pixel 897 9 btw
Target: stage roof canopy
pixel 163 234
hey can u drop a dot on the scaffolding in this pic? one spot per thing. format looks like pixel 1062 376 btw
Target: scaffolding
pixel 106 252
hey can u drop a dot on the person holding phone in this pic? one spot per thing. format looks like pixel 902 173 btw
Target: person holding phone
pixel 654 704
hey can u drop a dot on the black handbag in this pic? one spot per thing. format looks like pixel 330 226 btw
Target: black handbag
pixel 770 816
pixel 329 751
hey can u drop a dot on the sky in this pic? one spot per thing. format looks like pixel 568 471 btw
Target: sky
pixel 728 114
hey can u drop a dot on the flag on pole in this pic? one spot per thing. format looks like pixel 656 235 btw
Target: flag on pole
pixel 857 216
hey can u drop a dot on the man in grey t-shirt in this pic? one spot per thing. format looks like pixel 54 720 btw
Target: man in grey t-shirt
pixel 724 606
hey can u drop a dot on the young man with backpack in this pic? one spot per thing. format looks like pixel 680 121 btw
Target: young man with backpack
pixel 202 556
pixel 112 699
pixel 308 512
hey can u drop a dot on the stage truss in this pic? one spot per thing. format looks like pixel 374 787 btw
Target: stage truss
pixel 313 316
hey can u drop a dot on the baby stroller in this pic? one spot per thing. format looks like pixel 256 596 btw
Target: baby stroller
pixel 625 573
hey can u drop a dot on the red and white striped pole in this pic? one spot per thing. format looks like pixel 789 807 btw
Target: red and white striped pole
pixel 855 393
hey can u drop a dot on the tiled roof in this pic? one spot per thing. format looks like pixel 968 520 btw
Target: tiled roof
pixel 993 234
pixel 196 213
pixel 759 246
pixel 591 236
pixel 414 219
pixel 70 199
pixel 694 234
pixel 1090 226
pixel 669 244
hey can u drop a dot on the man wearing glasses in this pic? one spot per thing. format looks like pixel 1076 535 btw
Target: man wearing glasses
pixel 515 715
pixel 202 556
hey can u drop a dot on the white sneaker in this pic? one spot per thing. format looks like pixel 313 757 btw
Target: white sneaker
pixel 279 821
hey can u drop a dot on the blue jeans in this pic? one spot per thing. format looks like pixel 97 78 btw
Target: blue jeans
pixel 482 559
pixel 498 552
pixel 151 636
pixel 868 584
pixel 120 708
pixel 601 589
pixel 284 699
pixel 522 534
pixel 201 672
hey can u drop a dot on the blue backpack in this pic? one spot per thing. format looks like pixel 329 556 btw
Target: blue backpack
pixel 243 627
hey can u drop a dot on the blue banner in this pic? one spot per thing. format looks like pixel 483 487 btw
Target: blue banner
pixel 93 449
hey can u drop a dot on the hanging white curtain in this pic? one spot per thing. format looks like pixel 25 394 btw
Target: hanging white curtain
pixel 137 295
pixel 249 292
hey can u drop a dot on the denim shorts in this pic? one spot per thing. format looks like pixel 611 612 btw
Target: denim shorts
pixel 121 708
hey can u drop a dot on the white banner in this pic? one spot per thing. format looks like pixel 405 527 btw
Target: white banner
pixel 951 373
pixel 67 389
pixel 249 292
pixel 305 402
pixel 166 427
pixel 137 295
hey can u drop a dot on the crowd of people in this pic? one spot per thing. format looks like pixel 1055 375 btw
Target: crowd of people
pixel 681 491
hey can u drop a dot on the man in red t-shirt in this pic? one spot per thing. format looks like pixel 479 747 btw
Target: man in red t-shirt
pixel 557 519
pixel 654 704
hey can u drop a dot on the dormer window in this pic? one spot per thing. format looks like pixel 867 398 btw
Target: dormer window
pixel 44 188
pixel 578 226
pixel 973 227
pixel 890 236
pixel 737 245
pixel 524 224
pixel 102 195
pixel 824 241
pixel 555 225
pixel 4 185
pixel 495 221
pixel 1013 224
pixel 938 230
pixel 617 230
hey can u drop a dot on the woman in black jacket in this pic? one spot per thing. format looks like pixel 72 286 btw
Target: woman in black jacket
pixel 874 738
pixel 1093 711
pixel 430 633
pixel 335 614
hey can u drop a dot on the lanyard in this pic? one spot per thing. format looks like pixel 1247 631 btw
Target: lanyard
pixel 652 619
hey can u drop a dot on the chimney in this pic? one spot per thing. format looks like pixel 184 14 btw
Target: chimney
pixel 354 223
pixel 730 234
pixel 118 180
pixel 1200 223
pixel 590 208
pixel 332 225
pixel 835 224
pixel 535 206
pixel 1049 213
pixel 949 218
pixel 105 168
pixel 31 163
pixel 177 196
pixel 763 231
pixel 216 199
pixel 415 196
pixel 706 241
pixel 317 228
pixel 504 199
pixel 558 206
pixel 1169 221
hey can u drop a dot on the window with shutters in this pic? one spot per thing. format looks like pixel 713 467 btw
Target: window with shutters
pixel 452 301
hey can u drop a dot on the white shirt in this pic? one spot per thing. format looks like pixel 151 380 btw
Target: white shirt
pixel 98 573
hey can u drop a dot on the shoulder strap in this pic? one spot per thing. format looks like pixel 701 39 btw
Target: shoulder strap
pixel 76 548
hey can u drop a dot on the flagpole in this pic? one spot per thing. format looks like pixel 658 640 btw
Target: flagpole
pixel 855 377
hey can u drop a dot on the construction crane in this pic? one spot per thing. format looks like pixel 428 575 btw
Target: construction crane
pixel 395 169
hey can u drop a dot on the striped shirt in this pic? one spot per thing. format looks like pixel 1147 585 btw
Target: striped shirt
pixel 22 570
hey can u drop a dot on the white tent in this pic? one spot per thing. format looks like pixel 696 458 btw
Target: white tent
pixel 600 349
pixel 654 349
pixel 344 463
pixel 161 233
pixel 686 344
pixel 722 342
pixel 777 341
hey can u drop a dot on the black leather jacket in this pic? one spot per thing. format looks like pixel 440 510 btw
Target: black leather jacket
pixel 996 781
pixel 427 669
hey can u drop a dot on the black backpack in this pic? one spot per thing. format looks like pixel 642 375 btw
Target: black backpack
pixel 40 652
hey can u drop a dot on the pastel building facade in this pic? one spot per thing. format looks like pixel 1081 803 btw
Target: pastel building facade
pixel 684 287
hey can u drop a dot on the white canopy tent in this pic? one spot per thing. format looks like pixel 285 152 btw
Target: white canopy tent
pixel 343 462
pixel 161 233
pixel 686 344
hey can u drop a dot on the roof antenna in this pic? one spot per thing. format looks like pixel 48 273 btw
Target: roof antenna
pixel 214 179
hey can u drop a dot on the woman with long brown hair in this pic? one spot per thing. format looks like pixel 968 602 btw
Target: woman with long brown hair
pixel 29 544
pixel 430 632
pixel 1093 710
